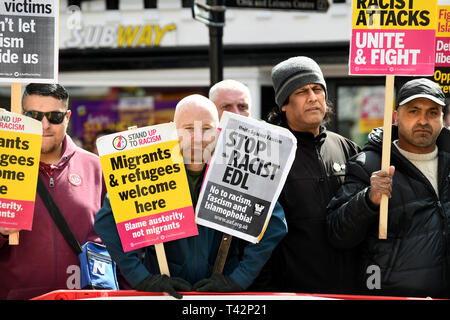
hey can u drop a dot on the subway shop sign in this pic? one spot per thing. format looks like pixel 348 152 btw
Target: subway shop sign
pixel 122 36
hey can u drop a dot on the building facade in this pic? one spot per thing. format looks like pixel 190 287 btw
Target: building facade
pixel 144 56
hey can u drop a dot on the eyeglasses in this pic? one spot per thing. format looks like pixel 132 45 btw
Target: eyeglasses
pixel 54 117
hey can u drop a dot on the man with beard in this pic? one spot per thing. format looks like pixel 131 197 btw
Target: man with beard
pixel 305 261
pixel 413 260
pixel 43 261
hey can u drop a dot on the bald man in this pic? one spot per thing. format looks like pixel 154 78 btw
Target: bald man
pixel 190 259
pixel 232 96
pixel 196 119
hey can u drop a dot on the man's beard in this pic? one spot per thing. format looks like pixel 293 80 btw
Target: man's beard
pixel 49 149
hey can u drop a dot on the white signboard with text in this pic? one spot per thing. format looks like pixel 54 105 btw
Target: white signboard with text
pixel 29 41
pixel 245 176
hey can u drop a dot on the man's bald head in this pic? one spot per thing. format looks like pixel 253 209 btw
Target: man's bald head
pixel 196 119
pixel 196 105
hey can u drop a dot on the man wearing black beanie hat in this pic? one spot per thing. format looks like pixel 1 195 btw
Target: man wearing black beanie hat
pixel 305 261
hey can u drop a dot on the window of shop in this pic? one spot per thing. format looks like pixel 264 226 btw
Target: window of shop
pixel 360 109
pixel 112 109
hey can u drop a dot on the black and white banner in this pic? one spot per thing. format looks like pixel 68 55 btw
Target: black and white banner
pixel 29 40
pixel 245 176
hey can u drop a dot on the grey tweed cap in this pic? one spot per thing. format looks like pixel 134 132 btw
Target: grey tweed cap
pixel 293 73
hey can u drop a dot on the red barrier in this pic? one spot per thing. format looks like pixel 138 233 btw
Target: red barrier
pixel 132 294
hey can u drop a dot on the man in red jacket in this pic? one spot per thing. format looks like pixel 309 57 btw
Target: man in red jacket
pixel 43 261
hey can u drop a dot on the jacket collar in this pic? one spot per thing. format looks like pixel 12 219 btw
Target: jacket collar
pixel 308 137
pixel 375 139
pixel 443 140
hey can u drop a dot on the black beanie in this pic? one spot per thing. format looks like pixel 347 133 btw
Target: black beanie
pixel 294 73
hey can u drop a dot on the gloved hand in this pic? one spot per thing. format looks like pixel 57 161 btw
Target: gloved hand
pixel 217 283
pixel 163 283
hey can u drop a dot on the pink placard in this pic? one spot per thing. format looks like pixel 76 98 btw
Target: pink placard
pixel 16 214
pixel 392 52
pixel 157 228
pixel 443 52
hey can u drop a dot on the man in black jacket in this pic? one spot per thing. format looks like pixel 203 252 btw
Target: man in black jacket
pixel 414 259
pixel 304 261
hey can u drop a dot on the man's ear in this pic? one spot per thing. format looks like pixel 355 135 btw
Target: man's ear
pixel 283 108
pixel 396 116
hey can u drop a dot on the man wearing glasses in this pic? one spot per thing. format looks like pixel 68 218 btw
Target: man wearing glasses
pixel 43 261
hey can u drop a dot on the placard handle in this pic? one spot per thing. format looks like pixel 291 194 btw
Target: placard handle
pixel 386 152
pixel 222 254
pixel 159 247
pixel 16 107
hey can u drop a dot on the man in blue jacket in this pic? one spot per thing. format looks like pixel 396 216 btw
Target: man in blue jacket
pixel 191 259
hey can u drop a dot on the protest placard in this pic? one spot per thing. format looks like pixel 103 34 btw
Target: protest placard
pixel 28 48
pixel 245 176
pixel 20 150
pixel 395 37
pixel 29 41
pixel 442 70
pixel 147 185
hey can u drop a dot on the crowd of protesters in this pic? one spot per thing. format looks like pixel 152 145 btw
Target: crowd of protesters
pixel 323 233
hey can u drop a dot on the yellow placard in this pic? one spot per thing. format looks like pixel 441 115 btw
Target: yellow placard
pixel 443 21
pixel 394 14
pixel 146 181
pixel 19 165
pixel 20 150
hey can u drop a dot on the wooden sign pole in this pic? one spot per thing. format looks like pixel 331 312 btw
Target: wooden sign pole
pixel 222 254
pixel 16 107
pixel 162 260
pixel 159 248
pixel 386 153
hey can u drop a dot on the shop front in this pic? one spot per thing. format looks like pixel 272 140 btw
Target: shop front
pixel 131 66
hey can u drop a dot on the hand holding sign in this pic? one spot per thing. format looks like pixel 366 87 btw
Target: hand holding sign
pixel 29 32
pixel 164 283
pixel 392 38
pixel 29 37
pixel 20 147
pixel 249 153
pixel 148 188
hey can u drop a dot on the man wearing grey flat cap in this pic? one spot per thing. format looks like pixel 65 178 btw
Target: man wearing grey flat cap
pixel 414 259
pixel 304 261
